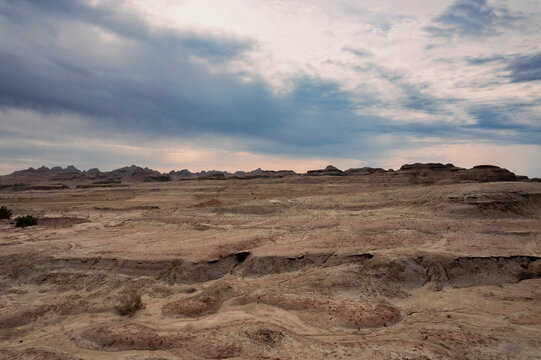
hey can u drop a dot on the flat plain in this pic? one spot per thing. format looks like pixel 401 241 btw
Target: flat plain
pixel 273 268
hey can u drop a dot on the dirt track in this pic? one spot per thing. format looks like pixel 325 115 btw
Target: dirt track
pixel 290 268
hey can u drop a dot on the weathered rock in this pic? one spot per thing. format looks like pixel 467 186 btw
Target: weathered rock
pixel 218 176
pixel 417 173
pixel 92 173
pixel 265 174
pixel 436 172
pixel 486 173
pixel 329 170
pixel 431 166
pixel 362 171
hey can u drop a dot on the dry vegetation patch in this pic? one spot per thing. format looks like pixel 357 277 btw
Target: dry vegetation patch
pixel 129 304
pixel 26 220
pixel 5 213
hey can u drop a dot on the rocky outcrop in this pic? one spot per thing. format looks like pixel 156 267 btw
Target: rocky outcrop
pixel 54 174
pixel 329 170
pixel 436 172
pixel 266 174
pixel 417 173
pixel 422 173
pixel 93 173
pixel 182 174
pixel 485 173
pixel 222 175
pixel 132 172
pixel 256 172
pixel 428 166
pixel 362 171
pixel 212 176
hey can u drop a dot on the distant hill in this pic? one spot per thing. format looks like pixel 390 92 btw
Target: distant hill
pixel 421 173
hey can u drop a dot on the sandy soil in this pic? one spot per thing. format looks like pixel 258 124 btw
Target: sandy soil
pixel 291 268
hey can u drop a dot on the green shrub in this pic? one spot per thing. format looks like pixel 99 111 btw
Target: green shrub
pixel 129 304
pixel 27 220
pixel 5 213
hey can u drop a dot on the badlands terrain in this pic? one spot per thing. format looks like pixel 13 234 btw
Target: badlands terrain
pixel 426 262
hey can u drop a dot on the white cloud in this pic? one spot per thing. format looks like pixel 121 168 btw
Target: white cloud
pixel 296 38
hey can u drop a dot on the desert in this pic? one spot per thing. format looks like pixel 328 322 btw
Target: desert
pixel 427 262
pixel 280 180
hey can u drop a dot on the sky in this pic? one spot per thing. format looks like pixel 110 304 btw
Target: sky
pixel 297 84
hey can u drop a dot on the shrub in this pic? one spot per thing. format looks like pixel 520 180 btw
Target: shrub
pixel 27 220
pixel 130 304
pixel 5 213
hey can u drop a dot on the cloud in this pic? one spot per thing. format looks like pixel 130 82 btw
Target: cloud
pixel 138 80
pixel 73 141
pixel 328 83
pixel 142 77
pixel 525 68
pixel 522 117
pixel 481 60
pixel 521 68
pixel 472 18
pixel 358 52
pixel 31 13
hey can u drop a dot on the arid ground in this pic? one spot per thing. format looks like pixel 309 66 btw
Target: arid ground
pixel 288 268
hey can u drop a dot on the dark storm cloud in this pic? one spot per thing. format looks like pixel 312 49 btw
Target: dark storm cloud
pixel 520 68
pixel 507 122
pixel 149 82
pixel 417 99
pixel 525 68
pixel 485 60
pixel 28 13
pixel 143 81
pixel 473 18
